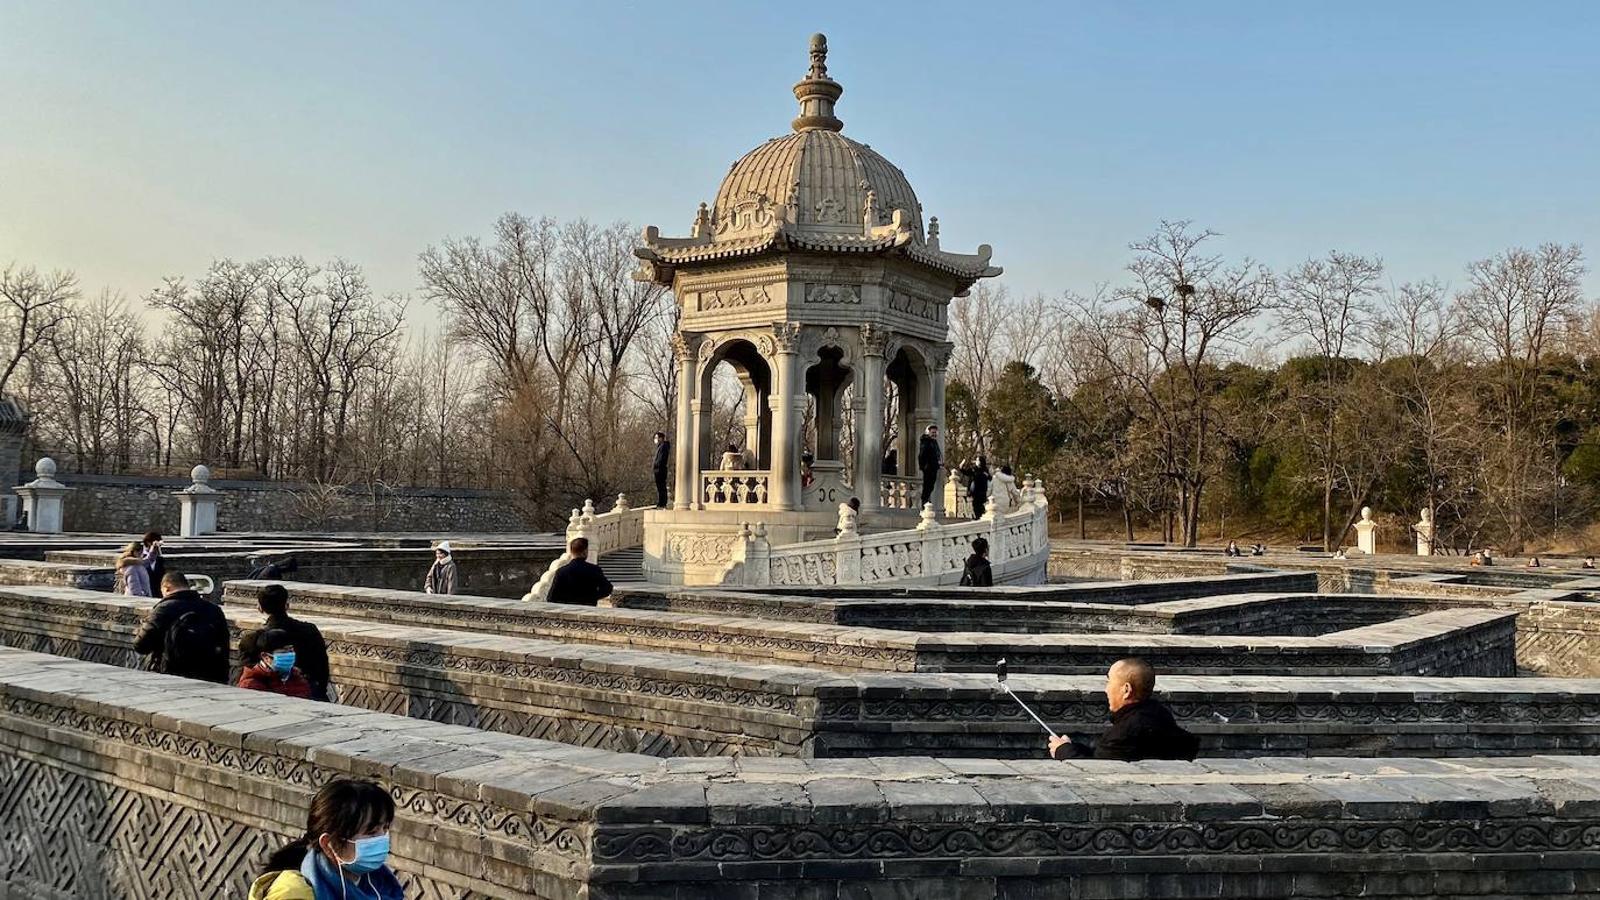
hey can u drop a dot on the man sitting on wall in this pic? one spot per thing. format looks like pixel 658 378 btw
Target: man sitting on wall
pixel 579 582
pixel 1141 726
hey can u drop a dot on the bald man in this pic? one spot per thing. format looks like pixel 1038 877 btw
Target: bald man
pixel 1141 727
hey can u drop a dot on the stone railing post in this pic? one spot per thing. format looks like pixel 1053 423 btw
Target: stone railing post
pixel 197 504
pixel 931 532
pixel 42 498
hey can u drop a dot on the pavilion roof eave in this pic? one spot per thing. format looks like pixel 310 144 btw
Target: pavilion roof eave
pixel 663 256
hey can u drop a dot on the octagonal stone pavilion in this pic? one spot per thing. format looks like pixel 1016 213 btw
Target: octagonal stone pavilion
pixel 811 272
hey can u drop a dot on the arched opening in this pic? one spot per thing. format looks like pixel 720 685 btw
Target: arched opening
pixel 826 381
pixel 735 425
pixel 911 408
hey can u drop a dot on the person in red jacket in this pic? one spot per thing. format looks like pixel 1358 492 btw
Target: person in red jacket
pixel 274 670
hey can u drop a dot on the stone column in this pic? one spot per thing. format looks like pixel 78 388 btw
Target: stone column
pixel 197 504
pixel 869 431
pixel 1366 532
pixel 684 488
pixel 41 498
pixel 788 405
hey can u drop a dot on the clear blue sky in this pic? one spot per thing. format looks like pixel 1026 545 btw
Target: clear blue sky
pixel 139 139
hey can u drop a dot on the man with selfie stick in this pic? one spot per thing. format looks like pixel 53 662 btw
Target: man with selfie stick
pixel 1141 726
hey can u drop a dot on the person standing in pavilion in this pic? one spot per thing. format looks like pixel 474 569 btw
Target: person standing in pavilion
pixel 930 459
pixel 661 466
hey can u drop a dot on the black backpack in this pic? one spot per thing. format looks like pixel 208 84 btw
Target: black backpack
pixel 195 645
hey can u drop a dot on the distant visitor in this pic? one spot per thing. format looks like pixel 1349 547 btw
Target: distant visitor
pixel 133 578
pixel 442 574
pixel 185 634
pixel 579 582
pixel 271 666
pixel 661 466
pixel 977 573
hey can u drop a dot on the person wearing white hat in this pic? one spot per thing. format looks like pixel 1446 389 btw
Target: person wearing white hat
pixel 442 574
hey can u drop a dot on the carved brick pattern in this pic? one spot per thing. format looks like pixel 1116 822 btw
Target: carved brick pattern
pixel 845 294
pixel 739 844
pixel 524 672
pixel 1237 712
pixel 598 735
pixel 66 834
pixel 276 769
pixel 707 640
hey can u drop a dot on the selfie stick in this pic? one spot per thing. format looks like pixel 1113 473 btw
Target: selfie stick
pixel 1000 673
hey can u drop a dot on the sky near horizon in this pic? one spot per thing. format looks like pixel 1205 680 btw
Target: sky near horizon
pixel 145 139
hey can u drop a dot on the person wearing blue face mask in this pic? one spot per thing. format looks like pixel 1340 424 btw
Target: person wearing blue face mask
pixel 269 665
pixel 342 855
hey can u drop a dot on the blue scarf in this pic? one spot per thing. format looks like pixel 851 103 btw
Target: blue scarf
pixel 326 880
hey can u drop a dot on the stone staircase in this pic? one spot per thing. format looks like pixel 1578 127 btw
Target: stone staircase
pixel 625 566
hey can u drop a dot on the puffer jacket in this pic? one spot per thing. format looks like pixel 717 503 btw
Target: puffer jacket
pixel 286 885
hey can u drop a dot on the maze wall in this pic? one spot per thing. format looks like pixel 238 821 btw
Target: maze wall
pixel 134 785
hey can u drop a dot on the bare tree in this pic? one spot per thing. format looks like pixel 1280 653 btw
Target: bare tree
pixel 1328 303
pixel 35 306
pixel 1512 313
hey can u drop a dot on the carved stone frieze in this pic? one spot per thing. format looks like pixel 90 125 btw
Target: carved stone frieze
pixel 838 294
pixel 699 549
pixel 733 298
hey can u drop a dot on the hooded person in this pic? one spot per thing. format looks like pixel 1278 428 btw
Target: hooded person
pixel 442 574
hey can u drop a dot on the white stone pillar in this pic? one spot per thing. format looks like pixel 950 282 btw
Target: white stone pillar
pixel 788 405
pixel 1366 532
pixel 197 504
pixel 869 432
pixel 684 488
pixel 42 498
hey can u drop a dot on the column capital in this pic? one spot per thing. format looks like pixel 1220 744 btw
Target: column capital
pixel 786 337
pixel 874 339
pixel 683 348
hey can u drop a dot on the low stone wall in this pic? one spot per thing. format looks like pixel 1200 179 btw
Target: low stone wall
pixel 176 790
pixel 668 705
pixel 91 578
pixel 1303 615
pixel 1448 642
pixel 125 504
pixel 497 571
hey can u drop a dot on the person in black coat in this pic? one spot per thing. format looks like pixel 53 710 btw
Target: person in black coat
pixel 1141 726
pixel 930 459
pixel 311 651
pixel 977 485
pixel 661 466
pixel 579 582
pixel 154 563
pixel 891 462
pixel 976 573
pixel 202 633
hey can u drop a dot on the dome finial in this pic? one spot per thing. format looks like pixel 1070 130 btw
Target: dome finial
pixel 817 92
pixel 819 56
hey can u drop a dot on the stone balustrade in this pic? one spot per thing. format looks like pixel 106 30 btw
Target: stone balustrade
pixel 734 488
pixel 900 492
pixel 607 532
pixel 931 553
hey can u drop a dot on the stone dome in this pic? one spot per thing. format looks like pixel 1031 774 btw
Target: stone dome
pixel 815 191
pixel 817 179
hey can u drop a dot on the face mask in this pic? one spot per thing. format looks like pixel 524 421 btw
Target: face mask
pixel 283 663
pixel 370 854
